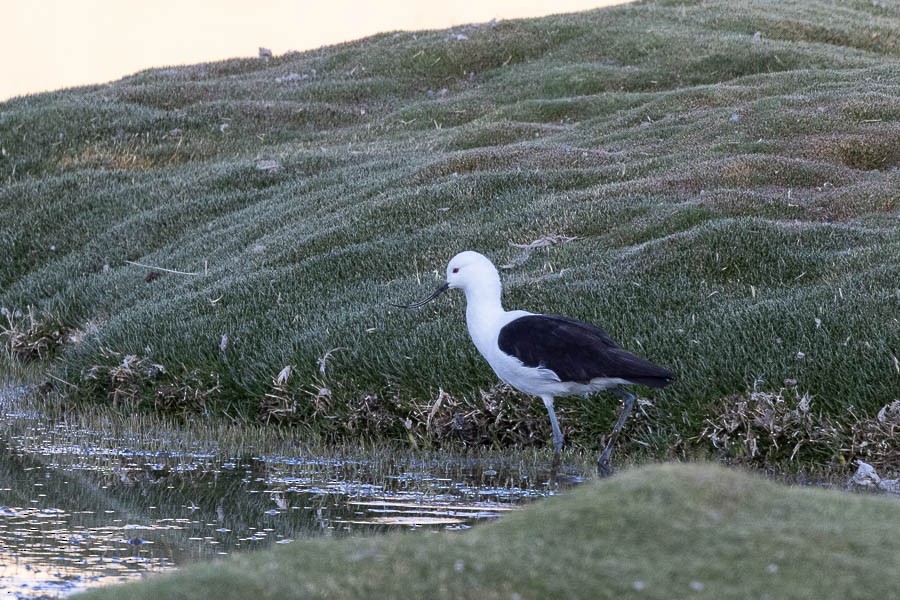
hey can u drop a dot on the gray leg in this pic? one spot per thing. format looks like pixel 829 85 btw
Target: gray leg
pixel 603 467
pixel 554 468
pixel 554 423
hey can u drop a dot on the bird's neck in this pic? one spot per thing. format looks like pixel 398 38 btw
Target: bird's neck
pixel 484 314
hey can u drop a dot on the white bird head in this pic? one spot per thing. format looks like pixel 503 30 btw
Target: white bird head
pixel 469 271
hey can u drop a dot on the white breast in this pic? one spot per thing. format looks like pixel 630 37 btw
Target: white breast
pixel 484 327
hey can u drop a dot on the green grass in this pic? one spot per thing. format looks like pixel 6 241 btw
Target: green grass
pixel 734 203
pixel 656 532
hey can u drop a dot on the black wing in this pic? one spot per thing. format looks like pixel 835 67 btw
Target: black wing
pixel 576 351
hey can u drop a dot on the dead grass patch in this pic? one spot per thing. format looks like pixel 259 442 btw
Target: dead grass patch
pixel 769 429
pixel 876 440
pixel 762 429
pixel 131 382
pixel 126 378
pixel 190 393
pixel 878 151
pixel 280 404
pixel 133 156
pixel 499 415
pixel 31 336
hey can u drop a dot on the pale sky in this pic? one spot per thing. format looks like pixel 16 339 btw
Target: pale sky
pixel 52 44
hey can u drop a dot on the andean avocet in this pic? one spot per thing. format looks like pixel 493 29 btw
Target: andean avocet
pixel 545 355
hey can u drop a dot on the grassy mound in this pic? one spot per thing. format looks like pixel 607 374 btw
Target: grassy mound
pixel 721 182
pixel 656 532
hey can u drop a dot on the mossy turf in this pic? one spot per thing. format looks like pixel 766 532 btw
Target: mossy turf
pixel 673 531
pixel 728 171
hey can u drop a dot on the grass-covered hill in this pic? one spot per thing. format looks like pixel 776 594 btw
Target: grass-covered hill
pixel 721 181
pixel 657 532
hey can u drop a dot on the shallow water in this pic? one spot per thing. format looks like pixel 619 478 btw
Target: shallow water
pixel 80 508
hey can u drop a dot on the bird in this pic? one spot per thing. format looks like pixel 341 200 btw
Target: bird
pixel 545 355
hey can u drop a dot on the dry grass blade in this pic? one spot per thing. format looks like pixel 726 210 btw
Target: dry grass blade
pixel 545 241
pixel 164 270
pixel 323 360
pixel 434 409
pixel 283 375
pixel 279 404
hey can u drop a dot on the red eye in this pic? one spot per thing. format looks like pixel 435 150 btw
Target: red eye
pixel 456 270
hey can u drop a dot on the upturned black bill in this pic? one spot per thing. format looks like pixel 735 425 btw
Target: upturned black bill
pixel 425 301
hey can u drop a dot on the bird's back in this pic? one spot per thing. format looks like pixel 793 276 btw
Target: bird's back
pixel 576 351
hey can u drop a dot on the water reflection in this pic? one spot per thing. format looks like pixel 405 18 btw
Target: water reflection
pixel 101 509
